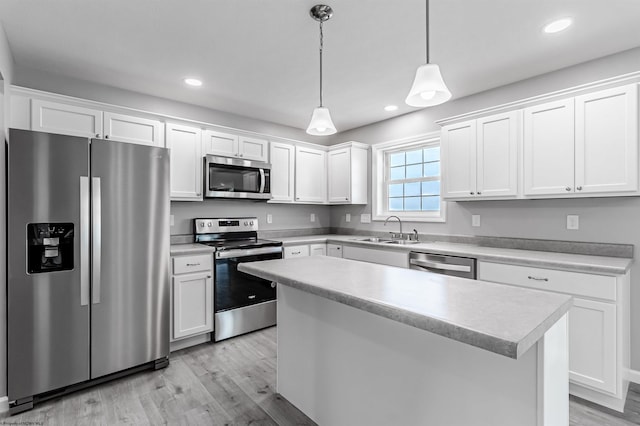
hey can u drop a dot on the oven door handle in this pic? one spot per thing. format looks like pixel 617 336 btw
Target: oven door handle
pixel 226 254
pixel 263 181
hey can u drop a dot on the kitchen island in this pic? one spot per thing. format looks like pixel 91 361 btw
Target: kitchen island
pixel 360 343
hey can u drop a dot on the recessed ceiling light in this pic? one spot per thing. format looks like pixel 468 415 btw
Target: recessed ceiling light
pixel 557 25
pixel 193 82
pixel 391 108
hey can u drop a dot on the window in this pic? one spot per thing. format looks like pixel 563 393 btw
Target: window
pixel 406 179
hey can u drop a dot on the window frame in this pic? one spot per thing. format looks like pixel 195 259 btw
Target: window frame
pixel 380 198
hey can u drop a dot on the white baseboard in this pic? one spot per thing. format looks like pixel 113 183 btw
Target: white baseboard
pixel 633 376
pixel 4 404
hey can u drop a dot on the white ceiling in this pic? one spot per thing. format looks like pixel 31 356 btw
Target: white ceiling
pixel 259 58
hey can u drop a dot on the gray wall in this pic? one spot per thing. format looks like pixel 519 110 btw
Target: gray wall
pixel 284 216
pixel 610 220
pixel 6 76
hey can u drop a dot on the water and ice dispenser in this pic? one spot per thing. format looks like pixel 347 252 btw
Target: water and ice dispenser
pixel 49 247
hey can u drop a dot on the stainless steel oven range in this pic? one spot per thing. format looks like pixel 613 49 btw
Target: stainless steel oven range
pixel 242 302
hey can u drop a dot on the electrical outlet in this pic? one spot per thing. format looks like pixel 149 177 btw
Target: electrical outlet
pixel 365 218
pixel 573 222
pixel 171 222
pixel 475 220
pixel 347 217
pixel 269 218
pixel 312 217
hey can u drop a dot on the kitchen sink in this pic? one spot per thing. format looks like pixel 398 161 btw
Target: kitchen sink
pixel 375 240
pixel 387 241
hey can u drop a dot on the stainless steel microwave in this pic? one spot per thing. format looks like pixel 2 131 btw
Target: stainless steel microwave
pixel 235 178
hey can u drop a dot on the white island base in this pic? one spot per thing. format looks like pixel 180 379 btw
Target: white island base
pixel 344 366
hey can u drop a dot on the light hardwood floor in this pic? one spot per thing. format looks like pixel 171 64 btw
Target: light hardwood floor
pixel 227 383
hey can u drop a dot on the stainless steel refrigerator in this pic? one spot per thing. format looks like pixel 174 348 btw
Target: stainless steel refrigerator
pixel 88 261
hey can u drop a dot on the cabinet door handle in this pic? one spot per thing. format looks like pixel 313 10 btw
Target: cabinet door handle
pixel 208 276
pixel 568 188
pixel 472 193
pixel 295 252
pixel 240 155
pixel 97 135
pixel 193 264
pixel 106 136
pixel 538 278
pixel 579 188
pixel 479 193
pixel 253 296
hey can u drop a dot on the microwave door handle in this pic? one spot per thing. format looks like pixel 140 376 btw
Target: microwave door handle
pixel 262 181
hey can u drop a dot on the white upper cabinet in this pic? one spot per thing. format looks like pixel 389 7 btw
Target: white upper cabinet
pixel 218 143
pixel 310 175
pixel 549 148
pixel 607 141
pixel 126 128
pixel 253 148
pixel 347 175
pixel 497 155
pixel 458 148
pixel 282 171
pixel 583 145
pixel 237 146
pixel 185 144
pixel 53 117
pixel 480 157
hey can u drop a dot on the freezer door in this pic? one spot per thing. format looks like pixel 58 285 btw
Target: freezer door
pixel 130 255
pixel 48 310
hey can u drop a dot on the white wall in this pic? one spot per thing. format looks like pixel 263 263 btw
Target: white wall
pixel 6 76
pixel 607 220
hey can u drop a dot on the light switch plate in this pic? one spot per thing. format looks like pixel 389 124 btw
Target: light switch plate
pixel 269 218
pixel 347 217
pixel 312 217
pixel 365 218
pixel 573 222
pixel 475 220
pixel 171 222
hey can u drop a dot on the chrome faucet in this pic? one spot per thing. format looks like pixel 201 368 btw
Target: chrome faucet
pixel 399 221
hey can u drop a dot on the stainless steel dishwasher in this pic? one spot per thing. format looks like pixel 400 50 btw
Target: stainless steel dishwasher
pixel 464 267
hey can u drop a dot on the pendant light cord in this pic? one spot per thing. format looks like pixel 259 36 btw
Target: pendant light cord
pixel 427 33
pixel 321 46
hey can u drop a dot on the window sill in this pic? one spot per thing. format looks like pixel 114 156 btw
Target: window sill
pixel 409 218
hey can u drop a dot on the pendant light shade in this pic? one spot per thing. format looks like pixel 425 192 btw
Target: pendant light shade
pixel 428 87
pixel 321 123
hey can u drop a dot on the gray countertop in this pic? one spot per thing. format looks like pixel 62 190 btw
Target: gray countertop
pixel 502 319
pixel 193 248
pixel 541 259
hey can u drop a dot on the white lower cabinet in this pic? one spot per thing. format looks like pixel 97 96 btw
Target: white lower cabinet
pixel 318 249
pixel 334 250
pixel 379 256
pixel 191 296
pixel 296 251
pixel 598 326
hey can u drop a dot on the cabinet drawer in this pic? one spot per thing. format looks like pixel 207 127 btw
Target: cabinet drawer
pixel 574 283
pixel 296 251
pixel 186 264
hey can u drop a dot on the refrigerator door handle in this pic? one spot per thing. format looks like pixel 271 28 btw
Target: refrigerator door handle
pixel 84 240
pixel 96 237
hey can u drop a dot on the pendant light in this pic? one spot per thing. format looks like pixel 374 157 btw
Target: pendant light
pixel 321 123
pixel 428 87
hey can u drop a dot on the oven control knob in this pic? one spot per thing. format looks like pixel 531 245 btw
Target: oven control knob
pixel 251 223
pixel 273 284
pixel 246 223
pixel 209 224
